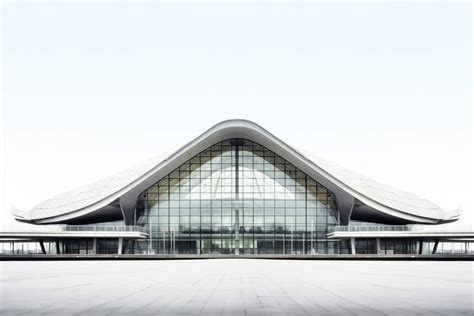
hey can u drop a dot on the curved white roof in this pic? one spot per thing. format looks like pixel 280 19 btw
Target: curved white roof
pixel 382 193
pixel 90 194
pixel 348 186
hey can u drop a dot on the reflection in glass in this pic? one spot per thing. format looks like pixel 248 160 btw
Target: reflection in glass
pixel 236 197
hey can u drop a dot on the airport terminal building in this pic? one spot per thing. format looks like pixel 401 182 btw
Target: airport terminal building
pixel 238 190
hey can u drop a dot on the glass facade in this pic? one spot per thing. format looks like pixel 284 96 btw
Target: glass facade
pixel 236 197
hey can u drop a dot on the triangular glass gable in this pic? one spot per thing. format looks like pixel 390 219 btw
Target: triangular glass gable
pixel 236 196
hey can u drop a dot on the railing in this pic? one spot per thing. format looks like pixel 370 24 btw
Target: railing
pixel 74 228
pixel 401 228
pixel 80 228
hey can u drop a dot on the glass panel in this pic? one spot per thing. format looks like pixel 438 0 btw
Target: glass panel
pixel 237 186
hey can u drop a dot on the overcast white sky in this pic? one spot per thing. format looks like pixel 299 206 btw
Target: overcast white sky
pixel 383 89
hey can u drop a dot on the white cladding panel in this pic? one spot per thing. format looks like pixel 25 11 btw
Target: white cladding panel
pixel 380 197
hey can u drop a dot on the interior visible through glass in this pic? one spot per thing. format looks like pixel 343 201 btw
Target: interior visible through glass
pixel 236 197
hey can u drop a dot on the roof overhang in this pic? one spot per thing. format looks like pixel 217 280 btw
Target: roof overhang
pixel 346 194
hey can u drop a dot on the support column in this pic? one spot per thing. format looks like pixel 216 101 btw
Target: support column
pixel 435 247
pixel 291 244
pixel 57 248
pixel 304 244
pixel 164 246
pixel 120 243
pixel 377 244
pixel 43 250
pixel 353 246
pixel 420 247
pixel 236 233
pixel 236 144
pixel 94 246
pixel 173 242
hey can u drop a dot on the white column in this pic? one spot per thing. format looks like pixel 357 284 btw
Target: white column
pixel 304 243
pixel 377 242
pixel 94 246
pixel 284 242
pixel 120 243
pixel 353 246
pixel 236 233
pixel 164 243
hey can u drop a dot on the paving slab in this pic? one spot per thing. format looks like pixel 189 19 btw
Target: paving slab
pixel 236 287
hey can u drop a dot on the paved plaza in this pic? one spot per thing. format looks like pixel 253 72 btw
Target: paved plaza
pixel 236 287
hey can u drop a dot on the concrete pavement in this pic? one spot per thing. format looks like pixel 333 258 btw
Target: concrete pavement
pixel 236 287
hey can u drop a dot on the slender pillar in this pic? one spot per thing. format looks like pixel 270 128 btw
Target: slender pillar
pixel 291 244
pixel 164 244
pixel 120 243
pixel 236 144
pixel 94 246
pixel 236 233
pixel 435 247
pixel 377 243
pixel 170 247
pixel 353 246
pixel 57 248
pixel 304 243
pixel 150 235
pixel 43 250
pixel 173 240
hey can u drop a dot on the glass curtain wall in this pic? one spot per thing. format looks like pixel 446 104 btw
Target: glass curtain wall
pixel 236 197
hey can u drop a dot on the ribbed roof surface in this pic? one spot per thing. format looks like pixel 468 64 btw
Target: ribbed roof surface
pixel 382 193
pixel 88 195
